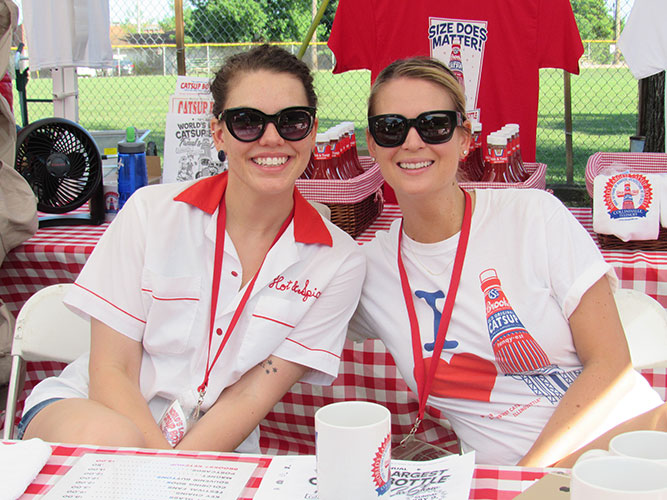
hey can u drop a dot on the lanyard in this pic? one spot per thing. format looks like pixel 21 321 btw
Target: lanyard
pixel 217 271
pixel 424 381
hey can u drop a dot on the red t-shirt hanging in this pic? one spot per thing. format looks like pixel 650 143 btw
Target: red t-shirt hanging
pixel 503 44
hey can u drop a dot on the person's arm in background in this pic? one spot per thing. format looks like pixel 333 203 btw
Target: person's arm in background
pixel 115 362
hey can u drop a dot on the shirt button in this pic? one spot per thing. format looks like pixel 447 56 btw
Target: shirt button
pixel 219 331
pixel 235 274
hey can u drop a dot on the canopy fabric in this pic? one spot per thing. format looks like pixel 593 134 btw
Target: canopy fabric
pixel 643 41
pixel 67 33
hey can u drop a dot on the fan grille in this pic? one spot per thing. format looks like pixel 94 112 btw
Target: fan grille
pixel 61 163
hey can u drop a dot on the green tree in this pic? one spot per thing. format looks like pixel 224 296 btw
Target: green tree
pixel 595 22
pixel 254 20
pixel 227 21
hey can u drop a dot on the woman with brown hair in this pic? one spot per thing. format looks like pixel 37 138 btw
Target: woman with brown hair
pixel 208 300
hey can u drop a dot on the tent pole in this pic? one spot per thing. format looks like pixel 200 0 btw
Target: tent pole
pixel 180 36
pixel 569 154
pixel 311 30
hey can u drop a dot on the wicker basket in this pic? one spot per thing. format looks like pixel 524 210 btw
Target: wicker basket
pixel 611 242
pixel 645 163
pixel 355 203
pixel 537 180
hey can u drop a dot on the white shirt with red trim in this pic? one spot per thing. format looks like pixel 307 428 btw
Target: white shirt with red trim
pixel 509 355
pixel 150 275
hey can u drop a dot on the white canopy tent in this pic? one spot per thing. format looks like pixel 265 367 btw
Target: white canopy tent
pixel 644 40
pixel 64 34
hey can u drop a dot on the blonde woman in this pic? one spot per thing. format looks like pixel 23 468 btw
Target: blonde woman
pixel 496 304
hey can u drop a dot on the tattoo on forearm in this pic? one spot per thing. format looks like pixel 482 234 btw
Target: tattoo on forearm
pixel 267 364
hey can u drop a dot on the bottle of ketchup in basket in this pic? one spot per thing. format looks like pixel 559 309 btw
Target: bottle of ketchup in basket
pixel 355 164
pixel 322 157
pixel 496 162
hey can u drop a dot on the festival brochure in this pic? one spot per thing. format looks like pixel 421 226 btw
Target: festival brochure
pixel 292 477
pixel 189 151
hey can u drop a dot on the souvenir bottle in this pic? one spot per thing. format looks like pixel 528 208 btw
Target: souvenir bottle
pixel 322 156
pixel 344 139
pixel 310 168
pixel 357 169
pixel 472 166
pixel 512 163
pixel 335 169
pixel 514 348
pixel 496 166
pixel 521 169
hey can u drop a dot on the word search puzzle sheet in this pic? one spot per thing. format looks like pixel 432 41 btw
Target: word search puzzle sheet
pixel 130 477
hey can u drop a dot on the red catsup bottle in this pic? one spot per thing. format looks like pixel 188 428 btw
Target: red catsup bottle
pixel 515 350
pixel 345 167
pixel 336 168
pixel 357 169
pixel 521 169
pixel 477 156
pixel 512 166
pixel 310 168
pixel 496 161
pixel 322 154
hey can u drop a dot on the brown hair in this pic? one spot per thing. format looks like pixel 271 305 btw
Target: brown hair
pixel 420 68
pixel 264 57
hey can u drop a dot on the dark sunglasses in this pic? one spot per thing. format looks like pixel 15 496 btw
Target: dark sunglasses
pixel 434 127
pixel 248 124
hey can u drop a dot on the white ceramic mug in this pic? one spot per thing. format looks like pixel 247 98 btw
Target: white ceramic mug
pixel 651 445
pixel 618 478
pixel 353 446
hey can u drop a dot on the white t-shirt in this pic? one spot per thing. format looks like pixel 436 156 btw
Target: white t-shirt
pixel 65 33
pixel 644 38
pixel 544 261
pixel 150 278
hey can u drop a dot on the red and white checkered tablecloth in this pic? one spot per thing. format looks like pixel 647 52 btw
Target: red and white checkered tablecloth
pixel 64 457
pixel 489 483
pixel 53 255
pixel 367 371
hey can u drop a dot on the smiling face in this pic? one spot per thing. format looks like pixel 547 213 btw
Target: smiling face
pixel 415 167
pixel 270 164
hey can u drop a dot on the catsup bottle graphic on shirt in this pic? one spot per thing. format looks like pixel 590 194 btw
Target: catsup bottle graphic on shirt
pixel 516 351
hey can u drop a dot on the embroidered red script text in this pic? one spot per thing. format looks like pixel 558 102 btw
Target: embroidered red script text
pixel 280 284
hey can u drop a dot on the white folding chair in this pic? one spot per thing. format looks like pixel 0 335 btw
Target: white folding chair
pixel 46 330
pixel 645 323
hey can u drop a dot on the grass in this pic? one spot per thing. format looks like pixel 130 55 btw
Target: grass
pixel 604 106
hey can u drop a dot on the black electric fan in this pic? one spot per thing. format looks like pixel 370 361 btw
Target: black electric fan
pixel 63 166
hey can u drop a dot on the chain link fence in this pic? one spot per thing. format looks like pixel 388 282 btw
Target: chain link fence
pixel 136 91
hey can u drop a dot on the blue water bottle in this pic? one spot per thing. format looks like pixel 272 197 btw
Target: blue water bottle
pixel 132 172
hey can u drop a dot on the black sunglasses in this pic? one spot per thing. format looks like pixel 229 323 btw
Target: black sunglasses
pixel 434 127
pixel 248 124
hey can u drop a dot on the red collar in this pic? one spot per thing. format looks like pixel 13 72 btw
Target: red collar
pixel 308 225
